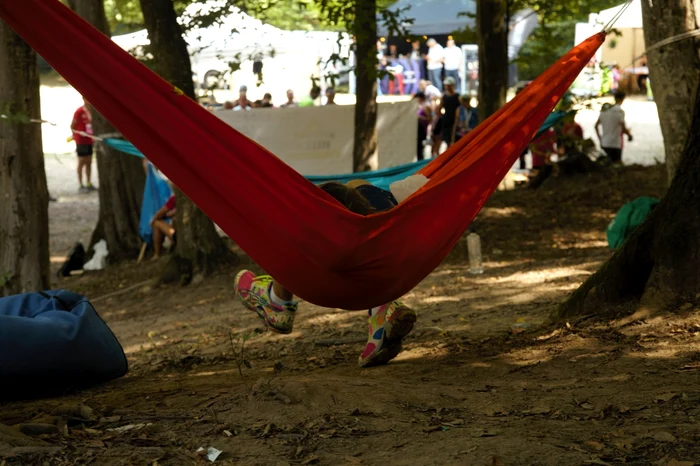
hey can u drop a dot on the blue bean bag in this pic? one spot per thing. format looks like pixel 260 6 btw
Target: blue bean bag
pixel 52 342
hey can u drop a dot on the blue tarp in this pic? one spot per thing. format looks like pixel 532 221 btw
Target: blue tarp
pixel 54 341
pixel 155 194
pixel 380 178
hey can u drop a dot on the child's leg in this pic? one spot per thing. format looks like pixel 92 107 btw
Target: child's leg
pixel 281 292
pixel 271 301
pixel 388 326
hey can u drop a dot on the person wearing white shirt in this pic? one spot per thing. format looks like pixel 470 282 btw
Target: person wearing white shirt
pixel 435 59
pixel 612 121
pixel 453 61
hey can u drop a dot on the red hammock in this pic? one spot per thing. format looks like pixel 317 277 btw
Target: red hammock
pixel 292 229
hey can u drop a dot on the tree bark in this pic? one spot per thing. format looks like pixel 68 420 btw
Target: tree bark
pixel 493 56
pixel 24 204
pixel 658 267
pixel 121 177
pixel 199 247
pixel 673 71
pixel 365 134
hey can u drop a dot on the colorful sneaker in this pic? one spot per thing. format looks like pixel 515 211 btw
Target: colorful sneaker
pixel 254 293
pixel 387 328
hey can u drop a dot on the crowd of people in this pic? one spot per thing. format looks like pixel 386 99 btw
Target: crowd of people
pixel 243 103
pixel 443 116
pixel 404 72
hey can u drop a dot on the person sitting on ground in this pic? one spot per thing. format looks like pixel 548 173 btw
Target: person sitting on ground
pixel 389 324
pixel 569 135
pixel 467 117
pixel 330 96
pixel 309 100
pixel 542 149
pixel 612 121
pixel 81 128
pixel 290 100
pixel 163 224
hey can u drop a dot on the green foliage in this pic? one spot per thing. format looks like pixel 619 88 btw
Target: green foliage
pixel 6 278
pixel 8 114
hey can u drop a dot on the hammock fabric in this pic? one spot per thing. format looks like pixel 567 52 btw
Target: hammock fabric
pixel 300 235
pixel 380 178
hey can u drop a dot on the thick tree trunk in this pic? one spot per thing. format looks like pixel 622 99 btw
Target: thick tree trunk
pixel 673 70
pixel 493 56
pixel 365 136
pixel 24 204
pixel 659 265
pixel 199 247
pixel 121 177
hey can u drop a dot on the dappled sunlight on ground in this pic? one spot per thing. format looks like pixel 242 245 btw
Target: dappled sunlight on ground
pixel 481 375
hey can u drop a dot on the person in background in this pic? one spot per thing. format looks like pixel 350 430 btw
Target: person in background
pixel 467 117
pixel 290 100
pixel 267 101
pixel 542 148
pixel 453 62
pixel 243 103
pixel 616 76
pixel 449 107
pixel 330 96
pixel 435 59
pixel 228 105
pixel 612 122
pixel 432 93
pixel 81 127
pixel 425 116
pixel 163 224
pixel 415 50
pixel 309 100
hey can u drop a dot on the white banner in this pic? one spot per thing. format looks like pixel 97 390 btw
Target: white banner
pixel 319 140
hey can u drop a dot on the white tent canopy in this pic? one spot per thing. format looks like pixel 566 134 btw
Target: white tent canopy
pixel 630 19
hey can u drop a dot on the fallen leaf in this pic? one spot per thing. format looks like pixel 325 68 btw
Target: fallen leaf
pixel 595 445
pixel 495 461
pixel 675 462
pixel 666 397
pixel 663 436
pixel 228 433
pixel 587 405
pixel 478 433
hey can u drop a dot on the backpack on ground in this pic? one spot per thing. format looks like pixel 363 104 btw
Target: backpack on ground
pixel 628 218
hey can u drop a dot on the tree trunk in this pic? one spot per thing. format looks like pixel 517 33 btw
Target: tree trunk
pixel 493 56
pixel 365 135
pixel 199 247
pixel 121 177
pixel 24 215
pixel 658 267
pixel 673 71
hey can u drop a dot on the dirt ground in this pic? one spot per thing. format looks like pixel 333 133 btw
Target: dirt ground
pixel 483 379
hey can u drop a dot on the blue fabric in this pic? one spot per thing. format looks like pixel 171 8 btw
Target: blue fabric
pixel 378 198
pixel 379 178
pixel 54 341
pixel 156 192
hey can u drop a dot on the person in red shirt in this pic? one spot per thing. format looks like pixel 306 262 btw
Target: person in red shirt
pixel 81 127
pixel 542 148
pixel 163 224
